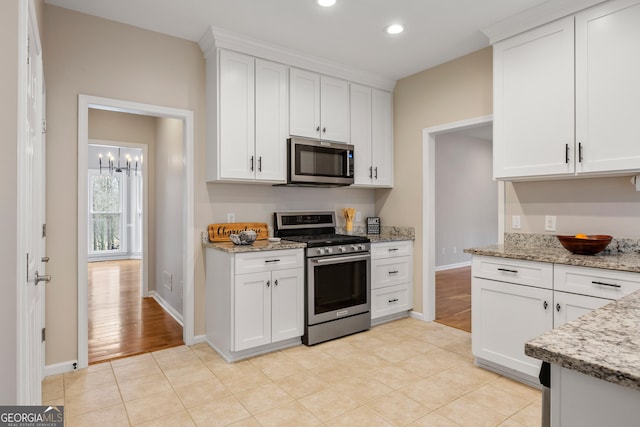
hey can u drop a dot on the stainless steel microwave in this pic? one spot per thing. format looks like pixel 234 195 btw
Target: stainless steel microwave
pixel 319 163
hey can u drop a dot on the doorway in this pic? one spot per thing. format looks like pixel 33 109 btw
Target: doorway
pixel 182 308
pixel 430 248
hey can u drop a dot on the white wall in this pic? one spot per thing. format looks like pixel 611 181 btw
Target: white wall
pixel 466 199
pixel 9 198
pixel 169 208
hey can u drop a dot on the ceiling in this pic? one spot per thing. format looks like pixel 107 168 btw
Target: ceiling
pixel 349 33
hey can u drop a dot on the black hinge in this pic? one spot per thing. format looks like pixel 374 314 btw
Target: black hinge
pixel 44 334
pixel 44 230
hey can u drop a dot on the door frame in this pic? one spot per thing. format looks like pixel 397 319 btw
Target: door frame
pixel 85 102
pixel 144 285
pixel 428 208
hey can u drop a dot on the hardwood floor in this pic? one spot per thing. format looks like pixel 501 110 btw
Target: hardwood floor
pixel 121 322
pixel 453 298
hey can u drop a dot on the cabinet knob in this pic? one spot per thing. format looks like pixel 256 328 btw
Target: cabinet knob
pixel 268 283
pixel 324 130
pixel 558 307
pixel 318 129
pixel 276 282
pixel 545 305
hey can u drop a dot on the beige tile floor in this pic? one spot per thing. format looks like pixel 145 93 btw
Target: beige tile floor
pixel 401 373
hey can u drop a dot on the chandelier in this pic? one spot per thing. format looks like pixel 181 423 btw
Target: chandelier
pixel 113 167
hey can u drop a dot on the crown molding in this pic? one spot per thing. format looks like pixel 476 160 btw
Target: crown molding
pixel 536 16
pixel 217 38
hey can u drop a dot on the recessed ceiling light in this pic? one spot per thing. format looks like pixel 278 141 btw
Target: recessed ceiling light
pixel 326 3
pixel 394 29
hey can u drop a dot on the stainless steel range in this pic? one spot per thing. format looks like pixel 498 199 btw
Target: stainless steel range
pixel 337 285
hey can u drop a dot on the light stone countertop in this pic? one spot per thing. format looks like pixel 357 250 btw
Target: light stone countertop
pixel 604 343
pixel 257 246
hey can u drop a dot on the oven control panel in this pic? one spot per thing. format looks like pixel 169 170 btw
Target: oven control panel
pixel 338 249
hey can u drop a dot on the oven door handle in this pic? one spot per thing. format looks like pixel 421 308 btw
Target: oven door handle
pixel 340 258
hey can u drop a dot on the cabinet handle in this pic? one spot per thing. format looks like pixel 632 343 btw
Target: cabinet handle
pixel 272 260
pixel 393 300
pixel 558 308
pixel 506 270
pixel 251 166
pixel 275 282
pixel 580 152
pixel 566 153
pixel 394 272
pixel 268 283
pixel 613 285
pixel 318 129
pixel 393 249
pixel 324 130
pixel 260 164
pixel 545 305
pixel 376 172
pixel 370 171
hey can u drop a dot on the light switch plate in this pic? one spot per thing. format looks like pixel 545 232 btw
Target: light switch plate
pixel 515 222
pixel 550 223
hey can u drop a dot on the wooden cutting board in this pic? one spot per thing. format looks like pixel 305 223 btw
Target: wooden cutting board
pixel 220 232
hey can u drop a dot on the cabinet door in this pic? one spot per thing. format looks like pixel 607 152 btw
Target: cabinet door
pixel 251 311
pixel 304 103
pixel 361 133
pixel 534 102
pixel 237 118
pixel 608 87
pixel 334 109
pixel 382 138
pixel 271 121
pixel 287 304
pixel 568 307
pixel 503 317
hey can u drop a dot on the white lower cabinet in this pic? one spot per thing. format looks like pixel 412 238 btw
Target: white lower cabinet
pixel 514 301
pixel 503 317
pixel 391 280
pixel 254 302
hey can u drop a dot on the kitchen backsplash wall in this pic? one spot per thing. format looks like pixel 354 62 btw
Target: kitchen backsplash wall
pixel 587 205
pixel 257 202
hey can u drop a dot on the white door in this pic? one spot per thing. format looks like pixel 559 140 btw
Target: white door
pixel 607 86
pixel 272 109
pixel 287 304
pixel 568 307
pixel 304 103
pixel 31 221
pixel 361 133
pixel 252 310
pixel 382 137
pixel 533 105
pixel 334 109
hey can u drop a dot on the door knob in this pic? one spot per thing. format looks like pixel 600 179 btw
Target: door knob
pixel 43 278
pixel 44 259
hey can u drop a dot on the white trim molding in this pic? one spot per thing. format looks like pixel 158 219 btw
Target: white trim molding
pixel 166 307
pixel 188 250
pixel 60 368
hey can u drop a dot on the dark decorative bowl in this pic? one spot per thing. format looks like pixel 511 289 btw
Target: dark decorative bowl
pixel 589 245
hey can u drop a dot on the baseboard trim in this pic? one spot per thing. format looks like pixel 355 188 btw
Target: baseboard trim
pixel 416 315
pixel 60 368
pixel 452 266
pixel 166 307
pixel 199 339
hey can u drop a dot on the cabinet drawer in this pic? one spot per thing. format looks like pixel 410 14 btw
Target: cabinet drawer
pixel 530 273
pixel 390 300
pixel 255 262
pixel 595 282
pixel 390 271
pixel 391 249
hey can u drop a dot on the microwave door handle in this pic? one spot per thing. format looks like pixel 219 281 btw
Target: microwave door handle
pixel 348 165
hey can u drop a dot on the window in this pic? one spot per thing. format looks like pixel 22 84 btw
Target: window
pixel 106 214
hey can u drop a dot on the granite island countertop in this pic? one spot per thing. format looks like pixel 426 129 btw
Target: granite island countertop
pixel 621 254
pixel 387 233
pixel 604 343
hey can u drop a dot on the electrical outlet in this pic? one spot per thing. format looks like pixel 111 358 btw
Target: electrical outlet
pixel 550 223
pixel 358 216
pixel 515 222
pixel 231 217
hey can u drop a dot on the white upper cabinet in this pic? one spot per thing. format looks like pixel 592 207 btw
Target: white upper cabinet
pixel 251 121
pixel 319 106
pixel 608 87
pixel 372 136
pixel 536 109
pixel 534 102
